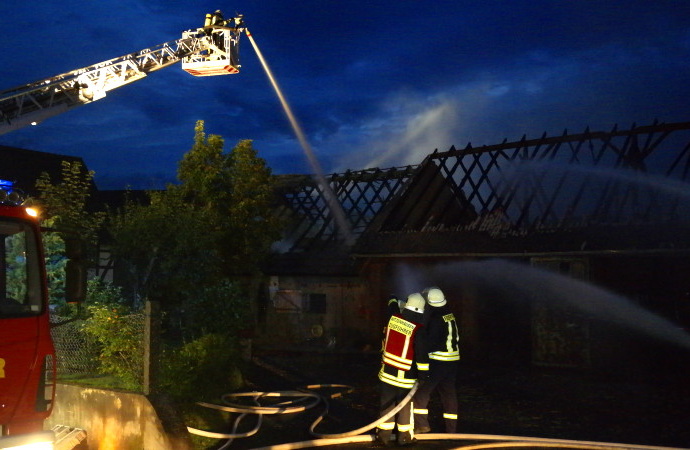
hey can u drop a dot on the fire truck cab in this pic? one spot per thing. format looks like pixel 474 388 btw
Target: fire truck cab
pixel 27 356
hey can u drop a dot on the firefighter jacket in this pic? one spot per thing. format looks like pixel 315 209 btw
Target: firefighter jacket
pixel 442 335
pixel 404 350
pixel 393 307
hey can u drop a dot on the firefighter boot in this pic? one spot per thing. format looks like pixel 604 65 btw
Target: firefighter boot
pixel 405 438
pixel 383 437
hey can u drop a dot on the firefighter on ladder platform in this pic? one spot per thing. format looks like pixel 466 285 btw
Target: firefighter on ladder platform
pixel 442 339
pixel 214 19
pixel 405 360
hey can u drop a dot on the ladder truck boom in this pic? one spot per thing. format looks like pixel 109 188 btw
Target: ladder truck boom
pixel 211 50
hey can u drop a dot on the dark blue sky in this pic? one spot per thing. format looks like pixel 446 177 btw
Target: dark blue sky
pixel 374 84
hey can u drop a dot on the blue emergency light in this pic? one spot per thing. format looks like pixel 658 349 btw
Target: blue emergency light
pixel 8 194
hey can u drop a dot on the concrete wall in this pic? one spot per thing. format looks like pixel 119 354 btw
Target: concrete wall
pixel 118 420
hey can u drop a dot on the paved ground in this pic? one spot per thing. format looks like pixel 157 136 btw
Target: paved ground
pixel 555 404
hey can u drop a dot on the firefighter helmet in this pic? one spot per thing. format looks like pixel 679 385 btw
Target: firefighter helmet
pixel 435 297
pixel 415 302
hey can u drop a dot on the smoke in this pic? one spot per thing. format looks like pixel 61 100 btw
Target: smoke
pixel 415 132
pixel 407 281
pixel 408 126
pixel 500 279
pixel 535 92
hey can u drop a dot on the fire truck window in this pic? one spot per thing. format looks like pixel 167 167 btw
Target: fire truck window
pixel 19 277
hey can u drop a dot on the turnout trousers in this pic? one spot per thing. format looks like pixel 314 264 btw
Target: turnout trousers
pixel 392 396
pixel 442 377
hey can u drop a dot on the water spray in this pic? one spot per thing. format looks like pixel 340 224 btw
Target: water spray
pixel 329 195
pixel 503 279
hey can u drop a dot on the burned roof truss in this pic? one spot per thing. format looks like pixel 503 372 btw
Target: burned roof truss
pixel 635 177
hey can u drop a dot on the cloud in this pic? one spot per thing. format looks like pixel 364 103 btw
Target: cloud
pixel 537 93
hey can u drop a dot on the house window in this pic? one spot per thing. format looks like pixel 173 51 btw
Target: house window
pixel 316 303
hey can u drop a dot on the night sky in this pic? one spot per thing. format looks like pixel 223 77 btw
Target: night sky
pixel 374 84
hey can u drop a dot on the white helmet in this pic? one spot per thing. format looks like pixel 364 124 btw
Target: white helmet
pixel 415 302
pixel 435 297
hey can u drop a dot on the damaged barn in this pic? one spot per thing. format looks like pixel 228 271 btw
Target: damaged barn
pixel 564 251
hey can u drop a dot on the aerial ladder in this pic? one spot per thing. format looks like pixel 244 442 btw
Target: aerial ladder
pixel 207 51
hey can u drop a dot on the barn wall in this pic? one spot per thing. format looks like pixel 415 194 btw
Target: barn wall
pixel 317 312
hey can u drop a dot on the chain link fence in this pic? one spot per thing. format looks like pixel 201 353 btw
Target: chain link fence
pixel 79 354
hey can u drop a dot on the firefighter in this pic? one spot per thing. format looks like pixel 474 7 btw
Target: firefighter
pixel 214 20
pixel 404 360
pixel 393 306
pixel 444 355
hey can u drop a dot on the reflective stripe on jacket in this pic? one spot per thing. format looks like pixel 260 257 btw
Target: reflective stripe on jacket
pixel 396 377
pixel 445 339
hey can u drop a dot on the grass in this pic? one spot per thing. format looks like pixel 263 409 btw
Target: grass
pixel 99 381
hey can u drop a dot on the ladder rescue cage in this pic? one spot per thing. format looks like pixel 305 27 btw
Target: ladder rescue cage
pixel 219 57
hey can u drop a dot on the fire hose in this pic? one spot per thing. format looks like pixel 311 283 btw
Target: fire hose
pixel 306 398
pixel 306 395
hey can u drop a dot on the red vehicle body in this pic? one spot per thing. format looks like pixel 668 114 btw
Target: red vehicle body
pixel 27 355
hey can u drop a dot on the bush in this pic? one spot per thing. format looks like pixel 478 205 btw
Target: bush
pixel 221 308
pixel 203 369
pixel 98 291
pixel 118 329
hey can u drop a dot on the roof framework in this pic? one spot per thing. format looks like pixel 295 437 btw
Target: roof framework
pixel 636 176
pixel 360 194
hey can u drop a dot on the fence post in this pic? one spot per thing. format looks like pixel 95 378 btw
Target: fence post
pixel 151 346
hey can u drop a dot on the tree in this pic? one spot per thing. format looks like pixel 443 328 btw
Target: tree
pixel 165 248
pixel 188 244
pixel 64 207
pixel 66 201
pixel 235 191
pixel 204 172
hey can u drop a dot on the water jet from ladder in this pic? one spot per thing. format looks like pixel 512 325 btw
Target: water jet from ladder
pixel 331 199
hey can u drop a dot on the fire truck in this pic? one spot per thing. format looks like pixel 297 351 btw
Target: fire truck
pixel 27 355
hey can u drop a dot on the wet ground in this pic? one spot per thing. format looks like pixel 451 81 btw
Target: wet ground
pixel 543 403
